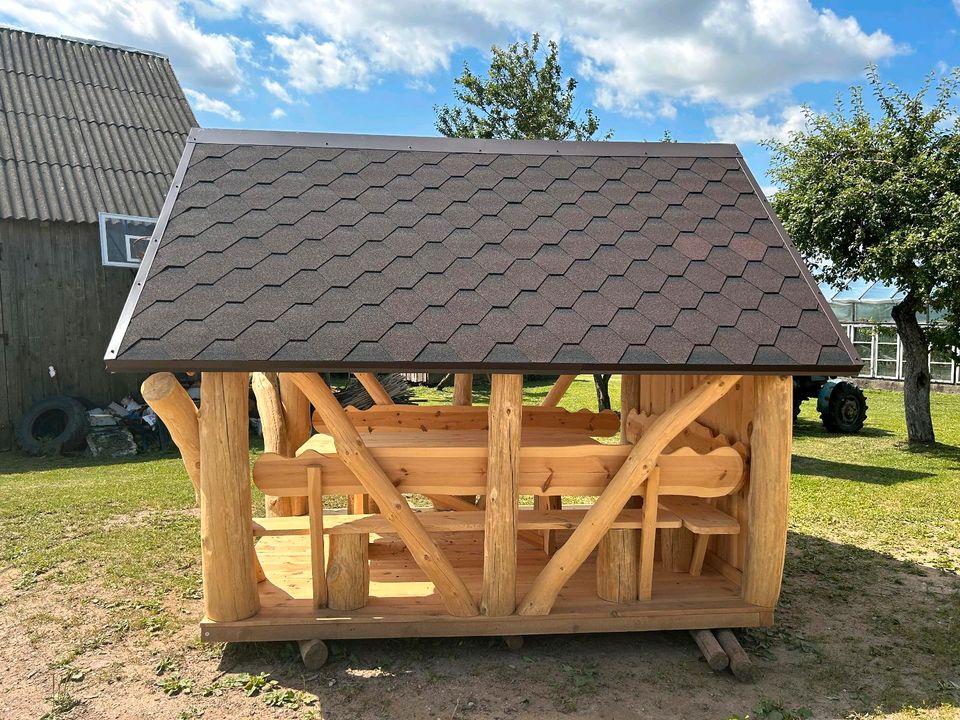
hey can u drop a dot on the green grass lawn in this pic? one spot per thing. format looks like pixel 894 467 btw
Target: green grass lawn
pixel 870 597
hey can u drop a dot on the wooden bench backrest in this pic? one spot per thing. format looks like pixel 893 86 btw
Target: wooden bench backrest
pixel 574 470
pixel 417 418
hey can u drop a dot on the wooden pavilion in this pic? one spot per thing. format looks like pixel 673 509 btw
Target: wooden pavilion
pixel 284 254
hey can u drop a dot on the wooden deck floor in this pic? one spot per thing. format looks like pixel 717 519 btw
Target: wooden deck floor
pixel 404 604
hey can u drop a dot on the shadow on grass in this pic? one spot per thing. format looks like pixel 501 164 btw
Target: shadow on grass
pixel 856 632
pixel 873 474
pixel 814 428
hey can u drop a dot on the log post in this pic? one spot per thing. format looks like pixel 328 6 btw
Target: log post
pixel 558 390
pixel 503 481
pixel 298 425
pixel 164 393
pixel 393 506
pixel 463 389
pixel 226 532
pixel 631 475
pixel 769 491
pixel 348 565
pixel 274 429
pixel 617 559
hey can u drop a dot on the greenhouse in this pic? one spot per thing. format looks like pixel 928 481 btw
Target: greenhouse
pixel 864 310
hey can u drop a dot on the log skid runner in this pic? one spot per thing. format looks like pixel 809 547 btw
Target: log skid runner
pixel 279 257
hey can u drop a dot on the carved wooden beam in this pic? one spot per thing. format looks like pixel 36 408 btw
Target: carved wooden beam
pixel 634 471
pixel 164 393
pixel 393 506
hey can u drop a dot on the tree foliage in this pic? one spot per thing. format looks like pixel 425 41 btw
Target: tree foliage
pixel 880 199
pixel 521 98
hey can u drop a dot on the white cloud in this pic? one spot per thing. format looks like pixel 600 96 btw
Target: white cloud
pixel 748 127
pixel 204 103
pixel 644 56
pixel 209 60
pixel 956 6
pixel 278 91
pixel 313 66
pixel 278 113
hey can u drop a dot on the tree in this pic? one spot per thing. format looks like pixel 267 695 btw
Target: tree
pixel 879 199
pixel 521 99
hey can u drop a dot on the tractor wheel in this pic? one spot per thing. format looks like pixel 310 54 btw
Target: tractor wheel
pixel 846 409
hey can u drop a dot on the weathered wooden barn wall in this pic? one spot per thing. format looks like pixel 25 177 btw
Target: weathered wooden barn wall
pixel 58 307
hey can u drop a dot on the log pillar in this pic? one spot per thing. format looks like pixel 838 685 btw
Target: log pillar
pixel 769 492
pixel 348 565
pixel 503 479
pixel 164 393
pixel 617 559
pixel 226 532
pixel 463 389
pixel 298 427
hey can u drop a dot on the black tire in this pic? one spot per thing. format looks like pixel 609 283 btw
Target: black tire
pixel 54 425
pixel 846 409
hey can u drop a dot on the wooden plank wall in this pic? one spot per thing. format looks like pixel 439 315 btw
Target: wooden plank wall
pixel 58 306
pixel 730 416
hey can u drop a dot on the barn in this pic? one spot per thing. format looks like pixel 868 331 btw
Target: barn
pixel 90 136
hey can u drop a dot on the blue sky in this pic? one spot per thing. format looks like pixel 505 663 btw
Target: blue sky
pixel 734 70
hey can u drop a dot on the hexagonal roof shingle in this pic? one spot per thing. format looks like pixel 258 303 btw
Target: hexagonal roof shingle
pixel 289 251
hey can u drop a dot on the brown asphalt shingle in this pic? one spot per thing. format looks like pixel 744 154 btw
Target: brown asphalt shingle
pixel 291 250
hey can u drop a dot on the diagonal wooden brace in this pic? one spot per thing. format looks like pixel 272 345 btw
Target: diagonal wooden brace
pixel 393 506
pixel 632 474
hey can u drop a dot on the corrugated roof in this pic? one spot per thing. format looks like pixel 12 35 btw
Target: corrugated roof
pixel 295 250
pixel 86 128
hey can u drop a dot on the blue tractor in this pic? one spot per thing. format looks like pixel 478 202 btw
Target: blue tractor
pixel 841 404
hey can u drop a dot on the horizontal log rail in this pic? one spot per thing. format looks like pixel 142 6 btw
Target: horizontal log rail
pixel 628 480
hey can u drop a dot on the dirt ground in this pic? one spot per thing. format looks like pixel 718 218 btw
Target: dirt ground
pixel 846 641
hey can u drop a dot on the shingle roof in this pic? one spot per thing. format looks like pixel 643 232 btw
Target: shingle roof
pixel 295 250
pixel 85 128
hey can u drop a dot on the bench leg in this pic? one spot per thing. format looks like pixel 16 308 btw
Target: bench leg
pixel 699 553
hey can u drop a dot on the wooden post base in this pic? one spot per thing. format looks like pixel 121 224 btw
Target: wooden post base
pixel 514 642
pixel 314 653
pixel 712 652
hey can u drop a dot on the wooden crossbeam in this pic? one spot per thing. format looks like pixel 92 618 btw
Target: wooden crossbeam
pixel 632 474
pixel 394 507
pixel 374 388
pixel 558 390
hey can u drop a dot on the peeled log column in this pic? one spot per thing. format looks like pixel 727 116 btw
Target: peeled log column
pixel 274 432
pixel 393 506
pixel 463 389
pixel 617 559
pixel 297 423
pixel 769 491
pixel 558 390
pixel 348 566
pixel 503 482
pixel 226 533
pixel 164 393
